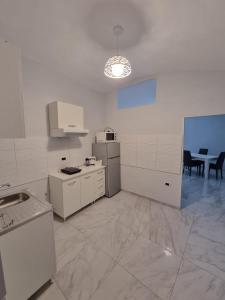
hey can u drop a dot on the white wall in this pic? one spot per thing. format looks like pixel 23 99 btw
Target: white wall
pixel 186 94
pixel 205 132
pixel 30 159
pixel 178 95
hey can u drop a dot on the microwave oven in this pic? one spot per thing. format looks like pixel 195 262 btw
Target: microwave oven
pixel 105 137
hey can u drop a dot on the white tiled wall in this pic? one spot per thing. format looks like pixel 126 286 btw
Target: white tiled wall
pixel 152 184
pixel 27 162
pixel 24 161
pixel 154 152
pixel 151 166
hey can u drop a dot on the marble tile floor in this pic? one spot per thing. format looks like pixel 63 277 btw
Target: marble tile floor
pixel 129 247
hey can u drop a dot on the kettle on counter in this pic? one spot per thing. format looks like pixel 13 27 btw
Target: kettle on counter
pixel 90 161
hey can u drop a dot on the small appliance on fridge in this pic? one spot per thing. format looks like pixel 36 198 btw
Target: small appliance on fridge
pixel 109 153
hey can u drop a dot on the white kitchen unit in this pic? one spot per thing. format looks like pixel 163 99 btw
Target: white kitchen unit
pixel 11 100
pixel 27 246
pixel 70 193
pixel 66 119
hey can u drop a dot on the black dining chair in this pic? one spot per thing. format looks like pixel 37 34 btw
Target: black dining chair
pixel 190 163
pixel 203 151
pixel 218 165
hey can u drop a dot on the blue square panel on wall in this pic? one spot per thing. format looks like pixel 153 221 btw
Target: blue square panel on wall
pixel 140 94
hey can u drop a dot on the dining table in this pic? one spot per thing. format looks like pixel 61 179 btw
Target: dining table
pixel 207 158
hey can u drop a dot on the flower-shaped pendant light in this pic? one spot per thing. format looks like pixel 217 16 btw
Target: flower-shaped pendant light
pixel 117 66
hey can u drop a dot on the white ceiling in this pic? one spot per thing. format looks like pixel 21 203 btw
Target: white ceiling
pixel 75 37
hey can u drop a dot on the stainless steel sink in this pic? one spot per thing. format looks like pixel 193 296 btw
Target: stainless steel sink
pixel 13 199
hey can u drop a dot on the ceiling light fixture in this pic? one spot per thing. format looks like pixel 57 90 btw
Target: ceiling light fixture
pixel 117 66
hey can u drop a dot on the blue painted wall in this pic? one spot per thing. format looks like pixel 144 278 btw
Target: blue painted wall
pixel 205 132
pixel 139 94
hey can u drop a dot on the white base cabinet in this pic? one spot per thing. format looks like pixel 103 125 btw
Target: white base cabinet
pixel 28 257
pixel 87 189
pixel 70 193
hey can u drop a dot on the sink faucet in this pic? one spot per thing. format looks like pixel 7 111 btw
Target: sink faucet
pixel 5 185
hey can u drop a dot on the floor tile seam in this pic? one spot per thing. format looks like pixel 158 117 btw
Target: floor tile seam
pixel 135 241
pixel 107 215
pixel 107 253
pixel 77 255
pixel 88 237
pixel 56 283
pixel 160 245
pixel 110 218
pixel 105 276
pixel 135 232
pixel 97 246
pixel 141 235
pixel 177 275
pixel 202 268
pixel 57 238
pixel 142 283
pixel 80 231
pixel 86 240
pixel 213 240
pixel 181 263
pixel 209 240
pixel 75 227
pixel 115 263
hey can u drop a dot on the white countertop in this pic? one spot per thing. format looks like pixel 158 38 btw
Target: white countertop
pixel 22 213
pixel 84 170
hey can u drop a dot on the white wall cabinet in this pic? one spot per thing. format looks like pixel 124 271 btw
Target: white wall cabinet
pixel 66 119
pixel 11 101
pixel 69 194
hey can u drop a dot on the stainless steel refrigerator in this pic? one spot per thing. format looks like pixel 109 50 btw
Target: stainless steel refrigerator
pixel 109 153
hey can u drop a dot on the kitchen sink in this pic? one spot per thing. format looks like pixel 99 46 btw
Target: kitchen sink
pixel 13 199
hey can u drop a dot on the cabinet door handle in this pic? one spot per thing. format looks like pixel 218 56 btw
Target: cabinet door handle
pixel 71 183
pixel 87 177
pixel 101 179
pixel 100 172
pixel 100 186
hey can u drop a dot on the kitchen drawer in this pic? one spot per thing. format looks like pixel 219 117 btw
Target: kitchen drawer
pixel 100 187
pixel 100 190
pixel 100 180
pixel 100 174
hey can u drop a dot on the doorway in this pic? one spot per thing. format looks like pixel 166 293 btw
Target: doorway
pixel 203 177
